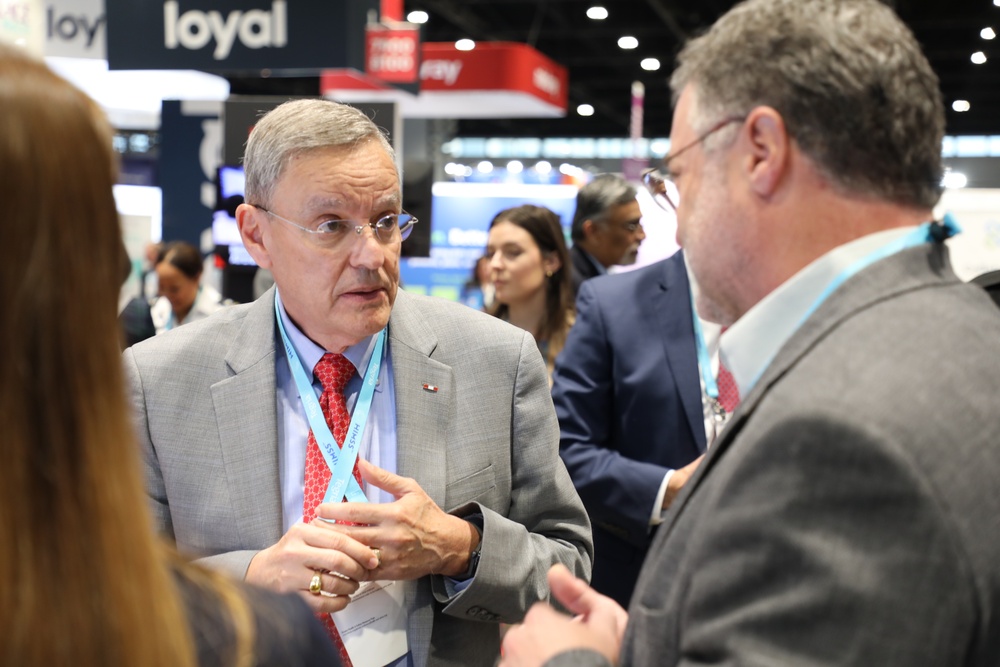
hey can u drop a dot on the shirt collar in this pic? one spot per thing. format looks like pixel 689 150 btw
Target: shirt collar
pixel 750 344
pixel 310 353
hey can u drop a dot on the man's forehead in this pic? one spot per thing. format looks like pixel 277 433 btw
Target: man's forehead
pixel 322 202
pixel 683 118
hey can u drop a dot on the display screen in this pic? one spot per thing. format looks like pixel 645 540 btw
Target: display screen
pixel 225 231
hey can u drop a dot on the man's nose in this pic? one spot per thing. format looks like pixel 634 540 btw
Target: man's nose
pixel 367 251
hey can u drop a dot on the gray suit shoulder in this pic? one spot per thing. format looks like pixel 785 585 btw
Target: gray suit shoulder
pixel 206 338
pixel 451 321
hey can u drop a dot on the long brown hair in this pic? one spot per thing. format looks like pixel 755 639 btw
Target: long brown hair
pixel 545 229
pixel 86 581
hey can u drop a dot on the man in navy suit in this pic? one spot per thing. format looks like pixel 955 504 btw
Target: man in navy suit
pixel 630 410
pixel 606 229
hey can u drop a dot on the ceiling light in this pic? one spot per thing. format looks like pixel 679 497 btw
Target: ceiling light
pixel 597 13
pixel 515 167
pixel 585 110
pixel 954 180
pixel 465 45
pixel 484 167
pixel 651 64
pixel 417 17
pixel 961 105
pixel 987 33
pixel 543 167
pixel 979 57
pixel 628 42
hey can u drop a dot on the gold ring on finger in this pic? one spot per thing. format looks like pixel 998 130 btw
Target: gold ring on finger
pixel 378 556
pixel 316 583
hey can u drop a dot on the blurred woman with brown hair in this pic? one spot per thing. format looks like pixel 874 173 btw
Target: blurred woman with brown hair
pixel 86 582
pixel 183 297
pixel 529 266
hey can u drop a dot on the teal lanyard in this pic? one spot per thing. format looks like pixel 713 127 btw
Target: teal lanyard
pixel 928 232
pixel 705 368
pixel 340 460
pixel 925 233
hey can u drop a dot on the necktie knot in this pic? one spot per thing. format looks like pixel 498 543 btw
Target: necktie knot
pixel 333 372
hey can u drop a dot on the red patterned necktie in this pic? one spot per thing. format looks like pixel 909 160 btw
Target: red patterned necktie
pixel 333 372
pixel 729 393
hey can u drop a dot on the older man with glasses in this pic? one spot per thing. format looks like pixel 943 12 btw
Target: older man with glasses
pixel 607 228
pixel 848 512
pixel 391 457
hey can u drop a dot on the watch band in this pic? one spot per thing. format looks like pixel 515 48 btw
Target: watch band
pixel 477 522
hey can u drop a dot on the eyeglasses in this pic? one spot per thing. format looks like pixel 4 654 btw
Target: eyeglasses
pixel 630 227
pixel 661 184
pixel 330 233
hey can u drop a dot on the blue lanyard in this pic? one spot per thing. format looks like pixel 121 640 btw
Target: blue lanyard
pixel 704 361
pixel 342 481
pixel 926 233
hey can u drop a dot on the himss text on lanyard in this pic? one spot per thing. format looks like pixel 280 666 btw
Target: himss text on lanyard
pixel 339 460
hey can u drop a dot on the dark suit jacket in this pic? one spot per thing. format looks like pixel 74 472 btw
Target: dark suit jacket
pixel 850 512
pixel 584 267
pixel 628 399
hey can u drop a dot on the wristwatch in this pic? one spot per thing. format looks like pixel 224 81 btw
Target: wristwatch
pixel 477 522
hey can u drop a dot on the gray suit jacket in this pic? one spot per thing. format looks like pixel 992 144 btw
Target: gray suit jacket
pixel 850 513
pixel 206 409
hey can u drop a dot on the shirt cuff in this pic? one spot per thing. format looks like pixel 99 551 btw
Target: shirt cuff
pixel 656 518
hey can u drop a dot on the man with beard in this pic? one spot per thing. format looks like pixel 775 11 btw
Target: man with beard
pixel 848 513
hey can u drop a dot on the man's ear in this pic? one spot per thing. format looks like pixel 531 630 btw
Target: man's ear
pixel 590 229
pixel 249 219
pixel 770 150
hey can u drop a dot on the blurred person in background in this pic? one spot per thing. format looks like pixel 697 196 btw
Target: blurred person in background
pixel 86 582
pixel 529 266
pixel 134 319
pixel 183 297
pixel 478 291
pixel 607 227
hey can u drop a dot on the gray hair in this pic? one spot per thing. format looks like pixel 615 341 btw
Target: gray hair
pixel 595 199
pixel 297 127
pixel 847 76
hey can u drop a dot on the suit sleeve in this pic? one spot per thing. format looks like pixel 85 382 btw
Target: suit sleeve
pixel 619 492
pixel 821 544
pixel 155 488
pixel 546 523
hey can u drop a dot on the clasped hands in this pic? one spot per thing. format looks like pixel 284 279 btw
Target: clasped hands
pixel 412 535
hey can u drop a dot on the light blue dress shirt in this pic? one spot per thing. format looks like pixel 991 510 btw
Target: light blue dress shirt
pixel 378 444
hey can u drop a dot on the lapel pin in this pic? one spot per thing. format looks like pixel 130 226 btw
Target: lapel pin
pixel 430 388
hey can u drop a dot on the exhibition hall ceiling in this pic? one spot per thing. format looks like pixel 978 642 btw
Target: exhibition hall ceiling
pixel 601 73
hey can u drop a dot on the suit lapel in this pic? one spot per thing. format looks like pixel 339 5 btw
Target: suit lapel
pixel 673 317
pixel 246 413
pixel 912 269
pixel 423 416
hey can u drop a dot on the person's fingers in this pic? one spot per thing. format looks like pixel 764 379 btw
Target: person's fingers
pixel 386 480
pixel 571 592
pixel 359 513
pixel 356 557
